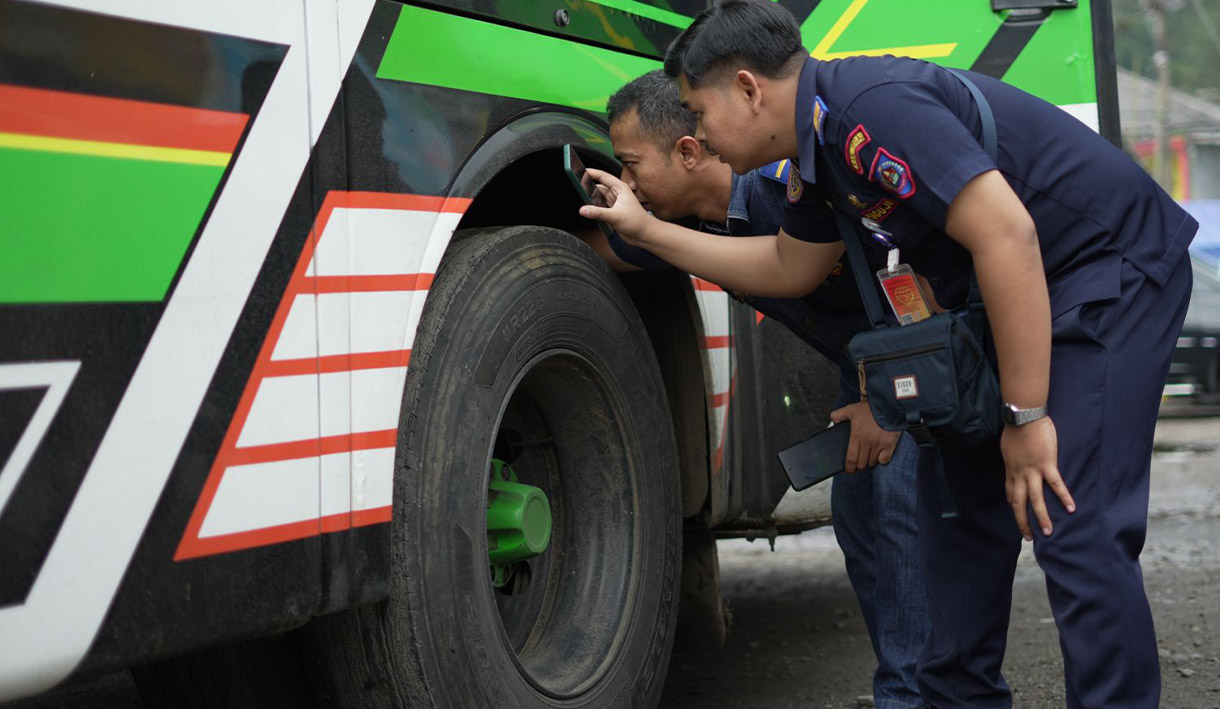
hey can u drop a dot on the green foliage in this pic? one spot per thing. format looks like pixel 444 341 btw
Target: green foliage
pixel 1194 47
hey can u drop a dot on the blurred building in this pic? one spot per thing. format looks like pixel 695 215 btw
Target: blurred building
pixel 1192 129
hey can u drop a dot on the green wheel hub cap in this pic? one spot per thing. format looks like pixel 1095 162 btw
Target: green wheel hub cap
pixel 518 522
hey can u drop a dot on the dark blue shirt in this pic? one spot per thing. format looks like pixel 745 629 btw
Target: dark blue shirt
pixel 894 140
pixel 828 317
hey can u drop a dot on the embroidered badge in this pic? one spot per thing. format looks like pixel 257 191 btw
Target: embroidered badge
pixel 892 173
pixel 796 188
pixel 879 211
pixel 856 140
pixel 856 201
pixel 906 387
pixel 819 118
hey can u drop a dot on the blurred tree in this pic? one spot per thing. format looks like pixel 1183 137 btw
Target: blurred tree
pixel 1193 41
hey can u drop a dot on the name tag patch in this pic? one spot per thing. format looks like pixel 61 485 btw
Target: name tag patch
pixel 879 211
pixel 906 387
pixel 856 140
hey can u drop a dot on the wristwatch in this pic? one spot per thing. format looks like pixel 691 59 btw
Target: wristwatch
pixel 1019 417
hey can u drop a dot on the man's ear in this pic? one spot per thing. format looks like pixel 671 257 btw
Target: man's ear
pixel 747 83
pixel 690 151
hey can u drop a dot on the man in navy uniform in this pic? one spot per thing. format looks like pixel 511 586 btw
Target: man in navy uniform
pixel 1081 260
pixel 873 509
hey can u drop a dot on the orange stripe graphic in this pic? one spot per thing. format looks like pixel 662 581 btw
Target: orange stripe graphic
pixel 367 284
pixel 294 450
pixel 337 363
pixel 58 114
pixel 192 545
pixel 278 534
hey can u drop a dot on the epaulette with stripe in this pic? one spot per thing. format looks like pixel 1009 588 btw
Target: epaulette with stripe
pixel 777 171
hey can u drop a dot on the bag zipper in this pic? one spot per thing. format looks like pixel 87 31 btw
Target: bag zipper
pixel 911 352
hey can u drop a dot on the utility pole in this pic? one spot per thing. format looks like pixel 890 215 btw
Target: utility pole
pixel 1156 11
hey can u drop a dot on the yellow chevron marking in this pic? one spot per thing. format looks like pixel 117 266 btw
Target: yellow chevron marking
pixel 921 51
pixel 114 150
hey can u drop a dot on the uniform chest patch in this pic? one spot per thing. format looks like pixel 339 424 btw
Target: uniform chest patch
pixel 879 211
pixel 892 174
pixel 856 140
pixel 796 187
pixel 819 118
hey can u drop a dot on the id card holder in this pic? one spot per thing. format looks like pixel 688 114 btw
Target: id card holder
pixel 902 290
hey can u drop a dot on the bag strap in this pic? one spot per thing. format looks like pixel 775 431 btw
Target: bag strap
pixel 860 269
pixel 990 145
pixel 855 252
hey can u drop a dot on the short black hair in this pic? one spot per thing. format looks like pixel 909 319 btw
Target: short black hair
pixel 654 97
pixel 758 33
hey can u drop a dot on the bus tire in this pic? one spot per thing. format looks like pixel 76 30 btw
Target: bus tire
pixel 529 351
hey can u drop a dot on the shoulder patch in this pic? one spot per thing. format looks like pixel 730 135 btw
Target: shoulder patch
pixel 819 118
pixel 892 174
pixel 856 140
pixel 796 188
pixel 777 171
pixel 880 211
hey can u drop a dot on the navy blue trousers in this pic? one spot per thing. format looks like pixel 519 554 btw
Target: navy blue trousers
pixel 1109 361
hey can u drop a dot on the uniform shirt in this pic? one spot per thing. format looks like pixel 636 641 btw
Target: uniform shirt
pixel 894 140
pixel 828 317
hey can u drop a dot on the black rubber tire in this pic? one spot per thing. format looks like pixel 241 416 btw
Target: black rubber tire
pixel 525 324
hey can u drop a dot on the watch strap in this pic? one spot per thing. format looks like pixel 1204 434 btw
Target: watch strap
pixel 1019 417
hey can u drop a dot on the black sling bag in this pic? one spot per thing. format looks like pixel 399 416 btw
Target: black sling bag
pixel 930 378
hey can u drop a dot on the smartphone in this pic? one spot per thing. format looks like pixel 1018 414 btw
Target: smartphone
pixel 818 457
pixel 584 184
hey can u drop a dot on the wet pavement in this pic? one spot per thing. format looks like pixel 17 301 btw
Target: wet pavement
pixel 798 639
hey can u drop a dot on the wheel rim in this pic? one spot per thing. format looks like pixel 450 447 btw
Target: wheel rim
pixel 564 610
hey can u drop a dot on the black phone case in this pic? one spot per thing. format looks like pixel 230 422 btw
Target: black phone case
pixel 818 457
pixel 568 156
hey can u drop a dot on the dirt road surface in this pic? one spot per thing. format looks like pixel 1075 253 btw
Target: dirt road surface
pixel 798 639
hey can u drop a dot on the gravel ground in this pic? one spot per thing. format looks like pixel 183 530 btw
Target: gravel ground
pixel 798 639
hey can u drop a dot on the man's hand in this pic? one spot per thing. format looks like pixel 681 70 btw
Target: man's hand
pixel 1031 455
pixel 623 210
pixel 869 444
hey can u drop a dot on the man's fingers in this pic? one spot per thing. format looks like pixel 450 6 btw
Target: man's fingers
pixel 590 212
pixel 1033 481
pixel 605 178
pixel 1060 488
pixel 853 452
pixel 888 445
pixel 1017 501
pixel 839 415
pixel 862 457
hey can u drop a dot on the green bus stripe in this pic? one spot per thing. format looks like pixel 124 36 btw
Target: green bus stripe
pixel 439 49
pixel 650 12
pixel 81 228
pixel 1056 65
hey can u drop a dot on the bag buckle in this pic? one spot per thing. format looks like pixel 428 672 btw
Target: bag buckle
pixel 920 433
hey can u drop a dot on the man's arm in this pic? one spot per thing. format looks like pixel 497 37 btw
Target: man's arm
pixel 597 240
pixel 989 220
pixel 774 266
